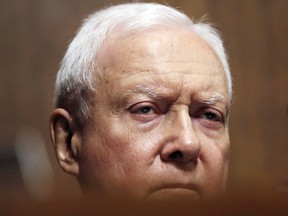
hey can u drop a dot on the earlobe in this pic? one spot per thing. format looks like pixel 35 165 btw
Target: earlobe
pixel 66 140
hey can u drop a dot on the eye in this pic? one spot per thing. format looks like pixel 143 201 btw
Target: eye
pixel 212 117
pixel 145 110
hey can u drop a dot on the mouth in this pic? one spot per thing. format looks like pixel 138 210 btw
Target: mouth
pixel 175 192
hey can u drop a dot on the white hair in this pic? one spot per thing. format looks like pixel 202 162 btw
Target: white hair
pixel 75 79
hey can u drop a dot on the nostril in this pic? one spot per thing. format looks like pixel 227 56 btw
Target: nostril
pixel 176 155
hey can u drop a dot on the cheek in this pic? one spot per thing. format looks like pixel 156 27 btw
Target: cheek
pixel 137 141
pixel 120 149
pixel 216 146
pixel 215 155
pixel 215 170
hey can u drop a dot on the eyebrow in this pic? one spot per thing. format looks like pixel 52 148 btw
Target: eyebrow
pixel 140 89
pixel 214 99
pixel 211 100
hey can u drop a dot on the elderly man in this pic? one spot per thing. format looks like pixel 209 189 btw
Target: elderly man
pixel 142 103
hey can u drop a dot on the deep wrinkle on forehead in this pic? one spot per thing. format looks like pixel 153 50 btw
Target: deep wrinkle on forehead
pixel 156 92
pixel 145 61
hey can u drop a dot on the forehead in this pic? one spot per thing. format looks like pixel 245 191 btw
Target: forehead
pixel 157 46
pixel 159 53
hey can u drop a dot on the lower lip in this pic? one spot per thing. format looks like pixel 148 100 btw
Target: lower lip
pixel 174 193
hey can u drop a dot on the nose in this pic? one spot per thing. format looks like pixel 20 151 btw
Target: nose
pixel 182 144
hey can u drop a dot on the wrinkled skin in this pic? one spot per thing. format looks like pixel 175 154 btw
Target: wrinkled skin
pixel 159 126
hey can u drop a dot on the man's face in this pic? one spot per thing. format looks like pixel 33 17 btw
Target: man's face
pixel 159 118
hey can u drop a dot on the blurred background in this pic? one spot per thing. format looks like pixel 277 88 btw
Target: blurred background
pixel 34 35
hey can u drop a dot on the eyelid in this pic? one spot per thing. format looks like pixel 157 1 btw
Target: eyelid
pixel 135 107
pixel 144 117
pixel 218 118
pixel 215 111
pixel 219 115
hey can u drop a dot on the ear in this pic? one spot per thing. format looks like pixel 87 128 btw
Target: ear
pixel 66 140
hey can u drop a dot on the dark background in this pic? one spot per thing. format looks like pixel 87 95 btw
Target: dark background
pixel 34 35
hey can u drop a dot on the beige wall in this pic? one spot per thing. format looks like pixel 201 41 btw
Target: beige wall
pixel 34 35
